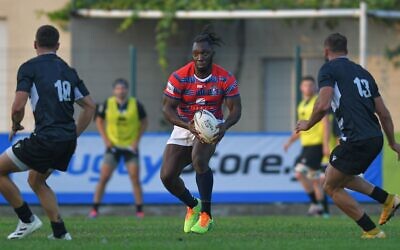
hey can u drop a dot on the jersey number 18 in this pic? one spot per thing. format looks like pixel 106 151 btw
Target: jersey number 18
pixel 63 90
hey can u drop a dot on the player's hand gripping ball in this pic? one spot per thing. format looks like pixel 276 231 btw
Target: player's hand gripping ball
pixel 206 124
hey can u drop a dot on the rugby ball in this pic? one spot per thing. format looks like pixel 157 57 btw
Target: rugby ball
pixel 206 124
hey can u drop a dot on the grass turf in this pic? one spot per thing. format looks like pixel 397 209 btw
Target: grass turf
pixel 241 232
pixel 391 168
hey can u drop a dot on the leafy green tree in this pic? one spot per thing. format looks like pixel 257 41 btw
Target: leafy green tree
pixel 165 25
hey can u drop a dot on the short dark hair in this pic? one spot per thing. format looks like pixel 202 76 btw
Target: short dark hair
pixel 336 42
pixel 121 81
pixel 47 36
pixel 208 35
pixel 308 78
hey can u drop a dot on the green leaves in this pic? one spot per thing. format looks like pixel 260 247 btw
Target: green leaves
pixel 165 25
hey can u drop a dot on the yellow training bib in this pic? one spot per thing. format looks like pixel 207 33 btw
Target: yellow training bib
pixel 122 128
pixel 314 135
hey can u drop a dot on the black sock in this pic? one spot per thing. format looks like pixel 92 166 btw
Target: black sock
pixel 325 204
pixel 96 206
pixel 379 195
pixel 58 228
pixel 24 213
pixel 187 198
pixel 205 183
pixel 139 208
pixel 313 198
pixel 366 223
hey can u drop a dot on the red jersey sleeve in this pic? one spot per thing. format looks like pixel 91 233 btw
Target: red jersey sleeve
pixel 231 88
pixel 174 87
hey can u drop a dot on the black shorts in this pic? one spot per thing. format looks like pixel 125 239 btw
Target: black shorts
pixel 354 158
pixel 113 155
pixel 311 156
pixel 41 155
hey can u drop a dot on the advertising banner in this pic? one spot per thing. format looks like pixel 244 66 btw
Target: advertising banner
pixel 248 168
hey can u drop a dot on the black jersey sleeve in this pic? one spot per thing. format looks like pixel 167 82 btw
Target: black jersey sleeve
pixel 80 89
pixel 141 111
pixel 24 78
pixel 374 87
pixel 101 110
pixel 325 76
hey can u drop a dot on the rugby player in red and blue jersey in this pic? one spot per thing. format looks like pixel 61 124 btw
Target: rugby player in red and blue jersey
pixel 200 84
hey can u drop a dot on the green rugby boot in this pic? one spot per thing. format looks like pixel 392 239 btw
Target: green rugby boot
pixel 204 224
pixel 192 215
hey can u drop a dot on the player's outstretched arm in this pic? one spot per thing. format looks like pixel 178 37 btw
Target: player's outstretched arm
pixel 86 115
pixel 294 137
pixel 387 124
pixel 321 106
pixel 18 112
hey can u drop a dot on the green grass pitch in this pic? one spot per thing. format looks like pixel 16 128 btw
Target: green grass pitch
pixel 233 232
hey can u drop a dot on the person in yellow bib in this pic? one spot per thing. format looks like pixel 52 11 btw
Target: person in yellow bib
pixel 315 144
pixel 333 138
pixel 121 122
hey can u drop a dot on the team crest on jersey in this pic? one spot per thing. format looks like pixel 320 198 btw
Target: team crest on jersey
pixel 214 90
pixel 201 101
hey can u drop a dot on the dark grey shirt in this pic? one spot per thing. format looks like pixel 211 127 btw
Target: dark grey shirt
pixel 353 100
pixel 53 88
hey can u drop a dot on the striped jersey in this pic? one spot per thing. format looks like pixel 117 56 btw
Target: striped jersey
pixel 195 94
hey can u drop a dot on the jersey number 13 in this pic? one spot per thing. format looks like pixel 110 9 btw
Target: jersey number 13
pixel 363 87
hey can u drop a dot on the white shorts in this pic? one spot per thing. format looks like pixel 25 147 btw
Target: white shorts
pixel 181 136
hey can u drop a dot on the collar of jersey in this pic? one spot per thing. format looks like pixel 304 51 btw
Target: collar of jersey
pixel 48 53
pixel 341 57
pixel 203 79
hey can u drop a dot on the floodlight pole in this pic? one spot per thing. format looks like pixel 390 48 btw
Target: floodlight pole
pixel 363 34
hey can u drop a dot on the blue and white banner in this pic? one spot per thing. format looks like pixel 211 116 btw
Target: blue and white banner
pixel 248 168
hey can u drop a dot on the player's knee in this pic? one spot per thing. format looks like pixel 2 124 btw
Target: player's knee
pixel 199 165
pixel 167 178
pixel 134 178
pixel 329 188
pixel 298 175
pixel 35 184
